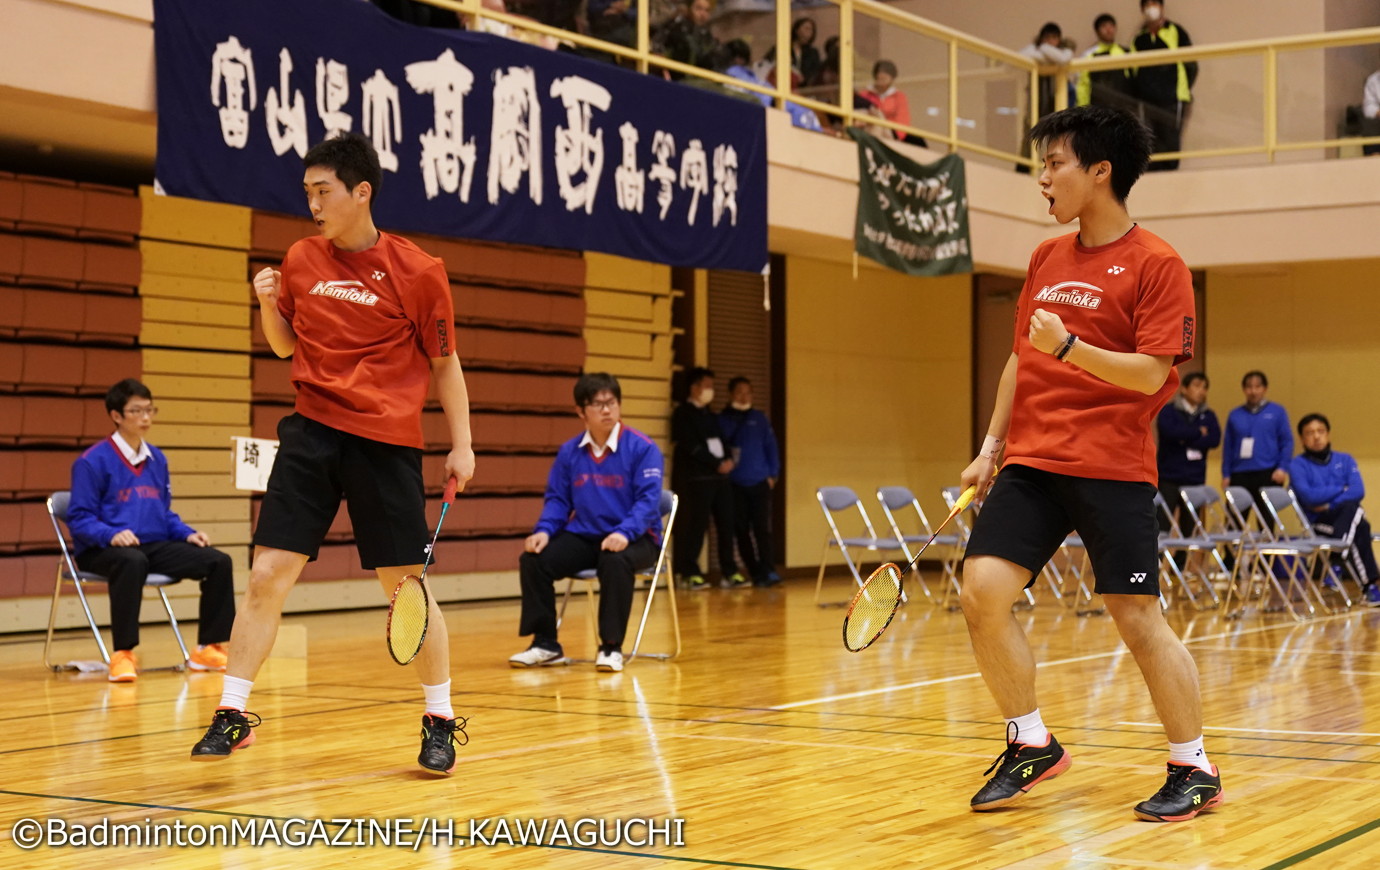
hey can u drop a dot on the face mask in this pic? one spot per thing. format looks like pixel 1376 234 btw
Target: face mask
pixel 706 396
pixel 742 406
pixel 1153 13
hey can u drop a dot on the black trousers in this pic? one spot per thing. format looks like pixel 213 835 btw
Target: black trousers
pixel 699 500
pixel 1166 123
pixel 1254 481
pixel 126 568
pixel 752 521
pixel 567 554
pixel 1335 522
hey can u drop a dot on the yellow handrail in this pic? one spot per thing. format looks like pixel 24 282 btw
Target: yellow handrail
pixel 956 41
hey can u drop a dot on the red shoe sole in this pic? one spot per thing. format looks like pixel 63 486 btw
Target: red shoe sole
pixel 1216 801
pixel 243 744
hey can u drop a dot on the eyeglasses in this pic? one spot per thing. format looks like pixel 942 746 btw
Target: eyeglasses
pixel 145 411
pixel 607 405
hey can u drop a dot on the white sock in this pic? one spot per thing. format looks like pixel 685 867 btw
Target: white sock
pixel 1190 753
pixel 1030 729
pixel 438 700
pixel 235 692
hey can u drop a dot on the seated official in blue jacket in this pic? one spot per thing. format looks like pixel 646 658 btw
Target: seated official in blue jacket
pixel 602 511
pixel 756 466
pixel 124 527
pixel 1328 485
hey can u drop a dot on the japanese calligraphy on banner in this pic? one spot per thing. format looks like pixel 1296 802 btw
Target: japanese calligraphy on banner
pixel 912 217
pixel 479 136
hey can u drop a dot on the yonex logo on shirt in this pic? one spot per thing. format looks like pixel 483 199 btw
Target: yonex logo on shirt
pixel 378 276
pixel 1116 270
pixel 350 291
pixel 1066 293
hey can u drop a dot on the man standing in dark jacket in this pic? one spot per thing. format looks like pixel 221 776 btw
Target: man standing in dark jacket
pixel 700 477
pixel 1188 429
pixel 757 465
pixel 1165 89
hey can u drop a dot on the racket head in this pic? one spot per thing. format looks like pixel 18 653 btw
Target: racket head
pixel 408 614
pixel 872 608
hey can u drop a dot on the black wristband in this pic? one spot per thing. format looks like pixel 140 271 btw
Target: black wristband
pixel 1068 346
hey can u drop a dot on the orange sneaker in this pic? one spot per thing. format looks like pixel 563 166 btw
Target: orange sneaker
pixel 211 657
pixel 124 666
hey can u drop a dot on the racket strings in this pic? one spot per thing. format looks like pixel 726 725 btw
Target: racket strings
pixel 408 620
pixel 873 607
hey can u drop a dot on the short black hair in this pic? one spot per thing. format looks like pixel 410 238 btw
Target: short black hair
pixel 1102 19
pixel 1193 377
pixel 1143 2
pixel 353 159
pixel 884 66
pixel 1097 133
pixel 1255 373
pixel 737 51
pixel 1050 29
pixel 118 395
pixel 1310 418
pixel 695 375
pixel 592 384
pixel 734 381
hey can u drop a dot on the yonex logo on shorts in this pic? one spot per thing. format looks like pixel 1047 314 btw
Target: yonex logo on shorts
pixel 350 291
pixel 1138 578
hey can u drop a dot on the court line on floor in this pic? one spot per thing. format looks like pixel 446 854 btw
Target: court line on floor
pixel 332 822
pixel 1326 845
pixel 1119 651
pixel 1268 730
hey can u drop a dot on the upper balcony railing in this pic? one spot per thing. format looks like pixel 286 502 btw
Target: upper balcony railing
pixel 1254 100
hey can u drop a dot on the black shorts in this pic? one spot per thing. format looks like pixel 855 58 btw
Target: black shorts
pixel 381 483
pixel 1029 513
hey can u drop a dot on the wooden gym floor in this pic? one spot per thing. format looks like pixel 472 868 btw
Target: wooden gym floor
pixel 776 747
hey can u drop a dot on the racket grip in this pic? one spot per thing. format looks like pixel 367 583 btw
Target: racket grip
pixel 449 495
pixel 966 498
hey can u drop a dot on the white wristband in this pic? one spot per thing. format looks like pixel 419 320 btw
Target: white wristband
pixel 991 446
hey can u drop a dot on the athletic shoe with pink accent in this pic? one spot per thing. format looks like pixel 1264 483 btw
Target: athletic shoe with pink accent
pixel 1187 792
pixel 1018 769
pixel 230 730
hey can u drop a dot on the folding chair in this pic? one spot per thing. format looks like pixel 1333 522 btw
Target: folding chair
pixel 895 498
pixel 670 503
pixel 834 500
pixel 1289 517
pixel 67 572
pixel 1174 542
pixel 1266 558
pixel 1209 520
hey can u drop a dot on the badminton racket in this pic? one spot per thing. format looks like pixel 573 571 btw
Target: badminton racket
pixel 876 602
pixel 409 611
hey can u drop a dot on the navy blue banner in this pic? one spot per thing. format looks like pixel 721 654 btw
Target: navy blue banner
pixel 480 136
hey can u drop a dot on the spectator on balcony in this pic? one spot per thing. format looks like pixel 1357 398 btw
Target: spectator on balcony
pixel 1165 90
pixel 889 101
pixel 613 21
pixel 423 14
pixel 1329 486
pixel 686 38
pixel 1370 108
pixel 806 63
pixel 1110 87
pixel 1048 49
pixel 739 58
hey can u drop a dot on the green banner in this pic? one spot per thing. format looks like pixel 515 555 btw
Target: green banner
pixel 912 217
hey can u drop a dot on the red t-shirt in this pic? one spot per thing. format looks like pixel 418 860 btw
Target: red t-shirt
pixel 1133 295
pixel 367 325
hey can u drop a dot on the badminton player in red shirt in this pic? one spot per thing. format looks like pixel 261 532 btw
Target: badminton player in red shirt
pixel 1105 315
pixel 367 319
